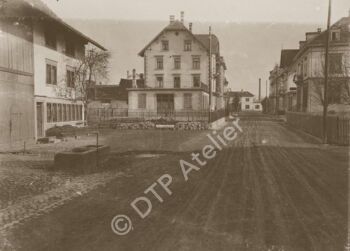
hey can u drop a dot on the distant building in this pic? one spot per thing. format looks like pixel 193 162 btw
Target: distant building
pixel 38 52
pixel 237 101
pixel 298 85
pixel 176 72
pixel 111 96
pixel 282 96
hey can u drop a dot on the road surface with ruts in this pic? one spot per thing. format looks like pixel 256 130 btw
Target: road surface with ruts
pixel 271 189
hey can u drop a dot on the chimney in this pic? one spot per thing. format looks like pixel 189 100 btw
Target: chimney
pixel 134 85
pixel 127 74
pixel 190 27
pixel 301 44
pixel 319 30
pixel 182 17
pixel 172 19
pixel 259 89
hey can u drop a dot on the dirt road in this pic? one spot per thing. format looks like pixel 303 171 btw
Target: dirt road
pixel 269 190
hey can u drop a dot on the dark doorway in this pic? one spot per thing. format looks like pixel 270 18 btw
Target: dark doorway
pixel 165 104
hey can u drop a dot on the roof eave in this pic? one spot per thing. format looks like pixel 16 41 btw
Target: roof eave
pixel 68 27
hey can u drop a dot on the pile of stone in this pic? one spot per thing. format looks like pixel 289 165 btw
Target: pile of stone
pixel 191 126
pixel 134 126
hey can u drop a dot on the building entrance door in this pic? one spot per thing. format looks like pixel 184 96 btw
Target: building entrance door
pixel 165 105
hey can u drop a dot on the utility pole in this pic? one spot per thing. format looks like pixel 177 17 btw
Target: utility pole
pixel 210 75
pixel 325 96
pixel 259 89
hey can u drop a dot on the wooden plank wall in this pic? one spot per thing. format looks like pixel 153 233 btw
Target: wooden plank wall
pixel 16 48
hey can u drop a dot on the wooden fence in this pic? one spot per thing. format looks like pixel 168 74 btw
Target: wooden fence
pixel 338 128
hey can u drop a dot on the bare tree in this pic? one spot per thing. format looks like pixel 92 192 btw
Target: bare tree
pixel 89 69
pixel 338 85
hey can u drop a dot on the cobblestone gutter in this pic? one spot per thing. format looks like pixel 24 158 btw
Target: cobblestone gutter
pixel 35 206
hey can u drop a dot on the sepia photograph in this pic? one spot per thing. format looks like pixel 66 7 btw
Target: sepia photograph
pixel 186 125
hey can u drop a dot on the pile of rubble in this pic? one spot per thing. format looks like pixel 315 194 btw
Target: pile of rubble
pixel 191 126
pixel 134 126
pixel 152 125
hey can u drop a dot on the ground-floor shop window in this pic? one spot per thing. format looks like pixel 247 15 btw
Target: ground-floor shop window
pixel 63 112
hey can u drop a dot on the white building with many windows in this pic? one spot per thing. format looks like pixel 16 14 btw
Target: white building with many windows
pixel 177 72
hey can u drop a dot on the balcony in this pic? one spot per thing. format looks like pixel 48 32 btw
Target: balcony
pixel 298 79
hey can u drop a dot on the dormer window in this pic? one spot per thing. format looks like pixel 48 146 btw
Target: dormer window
pixel 165 45
pixel 335 35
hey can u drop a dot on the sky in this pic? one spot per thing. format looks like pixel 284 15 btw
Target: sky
pixel 244 68
pixel 310 11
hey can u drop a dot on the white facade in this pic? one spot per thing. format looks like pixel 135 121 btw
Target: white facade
pixel 55 104
pixel 250 104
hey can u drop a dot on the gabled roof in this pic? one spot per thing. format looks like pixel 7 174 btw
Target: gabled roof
pixel 204 39
pixel 38 9
pixel 179 26
pixel 287 57
pixel 343 25
pixel 241 94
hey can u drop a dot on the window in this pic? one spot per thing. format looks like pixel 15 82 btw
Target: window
pixel 247 99
pixel 335 35
pixel 74 115
pixel 305 67
pixel 50 39
pixel 70 48
pixel 48 113
pixel 247 107
pixel 160 83
pixel 257 106
pixel 335 63
pixel 69 117
pixel 165 45
pixel 71 112
pixel 142 101
pixel 188 45
pixel 159 63
pixel 188 101
pixel 177 62
pixel 177 82
pixel 196 80
pixel 336 91
pixel 64 112
pixel 70 77
pixel 300 70
pixel 54 112
pixel 51 73
pixel 80 112
pixel 59 112
pixel 196 62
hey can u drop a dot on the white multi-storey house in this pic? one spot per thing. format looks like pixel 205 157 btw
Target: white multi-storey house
pixel 177 72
